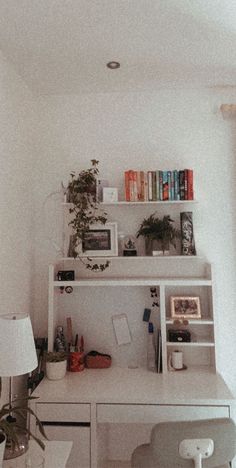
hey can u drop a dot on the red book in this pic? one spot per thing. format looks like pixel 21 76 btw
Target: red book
pixel 190 194
pixel 129 185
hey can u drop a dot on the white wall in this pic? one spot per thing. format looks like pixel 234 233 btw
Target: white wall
pixel 165 129
pixel 16 158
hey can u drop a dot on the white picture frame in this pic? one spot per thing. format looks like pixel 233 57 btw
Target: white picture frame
pixel 110 194
pixel 100 241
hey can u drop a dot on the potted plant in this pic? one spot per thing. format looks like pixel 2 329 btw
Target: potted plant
pixel 160 230
pixel 81 193
pixel 56 364
pixel 13 426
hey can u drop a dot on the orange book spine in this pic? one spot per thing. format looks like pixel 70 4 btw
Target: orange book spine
pixel 127 185
pixel 135 186
pixel 190 193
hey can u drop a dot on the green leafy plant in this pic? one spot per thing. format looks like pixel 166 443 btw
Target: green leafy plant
pixel 55 356
pixel 162 230
pixel 81 193
pixel 11 426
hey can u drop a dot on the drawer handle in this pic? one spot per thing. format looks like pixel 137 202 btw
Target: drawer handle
pixel 65 423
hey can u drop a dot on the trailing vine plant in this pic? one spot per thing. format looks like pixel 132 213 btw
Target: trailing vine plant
pixel 81 193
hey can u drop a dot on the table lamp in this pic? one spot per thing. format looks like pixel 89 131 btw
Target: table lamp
pixel 17 355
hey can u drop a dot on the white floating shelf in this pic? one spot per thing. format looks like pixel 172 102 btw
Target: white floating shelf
pixel 126 281
pixel 128 203
pixel 208 344
pixel 160 202
pixel 138 257
pixel 170 321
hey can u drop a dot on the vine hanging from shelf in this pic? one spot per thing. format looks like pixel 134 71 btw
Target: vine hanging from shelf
pixel 81 193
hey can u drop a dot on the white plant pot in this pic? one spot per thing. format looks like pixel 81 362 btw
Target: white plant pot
pixel 2 448
pixel 56 370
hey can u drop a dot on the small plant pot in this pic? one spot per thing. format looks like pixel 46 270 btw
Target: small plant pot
pixel 154 247
pixel 2 447
pixel 56 370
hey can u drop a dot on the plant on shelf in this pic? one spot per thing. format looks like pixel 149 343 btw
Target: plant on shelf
pixel 81 193
pixel 160 230
pixel 13 424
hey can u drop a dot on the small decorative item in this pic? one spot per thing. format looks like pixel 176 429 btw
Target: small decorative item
pixel 185 307
pixel 187 236
pixel 100 241
pixel 159 231
pixel 110 195
pixel 56 364
pixel 121 329
pixel 100 184
pixel 76 361
pixel 129 249
pixel 96 360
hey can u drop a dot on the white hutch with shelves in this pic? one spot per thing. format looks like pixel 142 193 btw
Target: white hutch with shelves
pixel 97 407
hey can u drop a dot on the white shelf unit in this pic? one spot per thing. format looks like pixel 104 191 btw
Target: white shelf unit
pixel 189 278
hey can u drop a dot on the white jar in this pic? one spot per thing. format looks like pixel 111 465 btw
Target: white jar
pixel 56 370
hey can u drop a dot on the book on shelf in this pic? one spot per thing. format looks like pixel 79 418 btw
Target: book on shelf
pixel 150 197
pixel 181 185
pixel 159 185
pixel 159 352
pixel 154 186
pixel 165 190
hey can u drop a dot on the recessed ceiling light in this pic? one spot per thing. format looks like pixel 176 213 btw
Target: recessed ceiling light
pixel 113 65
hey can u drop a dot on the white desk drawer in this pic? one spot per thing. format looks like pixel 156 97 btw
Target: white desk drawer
pixel 154 413
pixel 63 412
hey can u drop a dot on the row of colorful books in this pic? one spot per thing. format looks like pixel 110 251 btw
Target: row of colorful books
pixel 159 185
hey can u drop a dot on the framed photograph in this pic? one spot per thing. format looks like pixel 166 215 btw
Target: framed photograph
pixel 100 241
pixel 110 194
pixel 185 307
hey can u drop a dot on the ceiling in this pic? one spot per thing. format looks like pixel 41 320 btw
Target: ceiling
pixel 62 46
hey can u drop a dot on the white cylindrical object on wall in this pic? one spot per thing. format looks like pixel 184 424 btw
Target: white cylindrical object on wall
pixel 177 359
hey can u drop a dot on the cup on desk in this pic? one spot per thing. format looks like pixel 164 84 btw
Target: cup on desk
pixel 34 461
pixel 176 360
pixel 76 361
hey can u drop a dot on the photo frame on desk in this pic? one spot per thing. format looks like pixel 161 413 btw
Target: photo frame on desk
pixel 185 307
pixel 100 241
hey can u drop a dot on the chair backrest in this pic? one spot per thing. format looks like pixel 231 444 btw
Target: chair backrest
pixel 166 437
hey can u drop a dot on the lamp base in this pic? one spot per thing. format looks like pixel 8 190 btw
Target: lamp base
pixel 14 451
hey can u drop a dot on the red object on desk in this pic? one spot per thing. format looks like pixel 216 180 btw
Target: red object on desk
pixel 76 361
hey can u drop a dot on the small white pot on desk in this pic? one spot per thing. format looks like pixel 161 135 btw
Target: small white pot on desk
pixel 56 365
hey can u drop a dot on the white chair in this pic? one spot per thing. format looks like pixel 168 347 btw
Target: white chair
pixel 209 443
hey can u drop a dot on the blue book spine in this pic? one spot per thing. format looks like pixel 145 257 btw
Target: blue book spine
pixel 176 185
pixel 169 184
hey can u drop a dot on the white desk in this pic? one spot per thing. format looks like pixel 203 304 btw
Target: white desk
pixel 56 455
pixel 98 398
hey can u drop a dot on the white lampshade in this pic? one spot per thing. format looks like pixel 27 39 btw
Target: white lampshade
pixel 17 349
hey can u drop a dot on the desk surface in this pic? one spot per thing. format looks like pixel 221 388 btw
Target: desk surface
pixel 56 455
pixel 140 386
